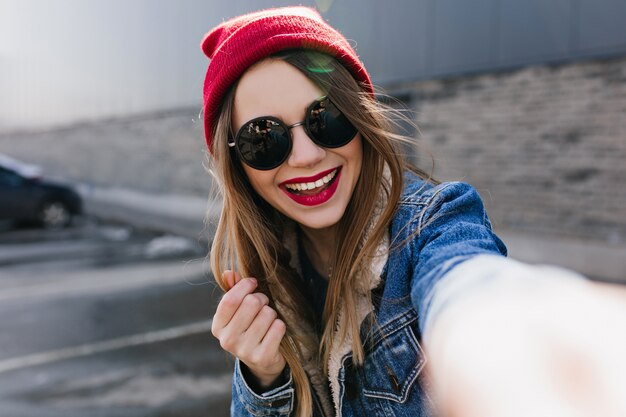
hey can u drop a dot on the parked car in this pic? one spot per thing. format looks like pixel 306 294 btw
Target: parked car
pixel 26 197
pixel 22 168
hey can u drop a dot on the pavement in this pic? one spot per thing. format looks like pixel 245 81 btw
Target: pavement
pixel 196 217
pixel 182 215
pixel 103 319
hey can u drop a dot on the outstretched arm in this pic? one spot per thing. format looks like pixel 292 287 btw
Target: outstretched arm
pixel 511 339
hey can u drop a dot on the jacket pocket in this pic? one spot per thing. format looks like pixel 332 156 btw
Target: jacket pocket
pixel 392 367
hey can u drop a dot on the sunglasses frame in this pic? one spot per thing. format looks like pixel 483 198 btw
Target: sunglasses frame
pixel 304 123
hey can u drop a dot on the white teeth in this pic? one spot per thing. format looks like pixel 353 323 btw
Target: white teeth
pixel 311 185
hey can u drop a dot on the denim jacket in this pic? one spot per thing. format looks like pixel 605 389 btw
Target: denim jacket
pixel 435 229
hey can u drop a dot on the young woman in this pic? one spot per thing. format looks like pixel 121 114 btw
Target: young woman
pixel 338 258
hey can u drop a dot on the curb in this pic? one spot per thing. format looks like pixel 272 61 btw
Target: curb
pixel 594 259
pixel 185 215
pixel 176 214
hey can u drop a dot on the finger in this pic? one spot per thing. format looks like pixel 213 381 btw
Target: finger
pixel 260 325
pixel 230 302
pixel 230 278
pixel 246 313
pixel 273 337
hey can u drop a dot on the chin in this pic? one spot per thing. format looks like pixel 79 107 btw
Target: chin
pixel 320 220
pixel 322 224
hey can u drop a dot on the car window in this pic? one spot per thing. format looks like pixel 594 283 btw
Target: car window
pixel 9 178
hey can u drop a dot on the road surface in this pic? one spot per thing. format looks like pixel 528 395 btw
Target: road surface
pixel 99 320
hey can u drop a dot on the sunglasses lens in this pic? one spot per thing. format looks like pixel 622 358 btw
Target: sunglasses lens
pixel 328 125
pixel 263 143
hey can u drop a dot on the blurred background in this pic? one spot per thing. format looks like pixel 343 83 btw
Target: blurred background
pixel 105 297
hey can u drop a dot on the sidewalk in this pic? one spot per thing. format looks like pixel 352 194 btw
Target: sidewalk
pixel 184 215
pixel 597 260
pixel 176 214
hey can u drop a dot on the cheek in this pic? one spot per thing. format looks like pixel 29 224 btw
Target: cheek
pixel 261 181
pixel 354 151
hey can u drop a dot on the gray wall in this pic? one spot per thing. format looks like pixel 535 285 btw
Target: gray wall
pixel 418 39
pixel 162 152
pixel 76 60
pixel 544 145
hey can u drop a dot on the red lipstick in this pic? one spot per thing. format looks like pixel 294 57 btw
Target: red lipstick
pixel 321 197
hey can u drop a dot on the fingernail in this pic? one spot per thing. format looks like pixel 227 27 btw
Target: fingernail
pixel 253 280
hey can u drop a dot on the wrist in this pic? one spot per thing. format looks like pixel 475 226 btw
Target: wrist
pixel 260 381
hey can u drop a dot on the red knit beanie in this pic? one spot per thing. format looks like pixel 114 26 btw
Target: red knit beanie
pixel 235 45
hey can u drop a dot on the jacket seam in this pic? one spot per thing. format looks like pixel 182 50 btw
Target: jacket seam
pixel 392 329
pixel 430 201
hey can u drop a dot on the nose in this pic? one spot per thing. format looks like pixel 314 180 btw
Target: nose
pixel 304 152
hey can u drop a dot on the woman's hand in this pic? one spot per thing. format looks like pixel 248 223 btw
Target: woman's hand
pixel 249 329
pixel 554 349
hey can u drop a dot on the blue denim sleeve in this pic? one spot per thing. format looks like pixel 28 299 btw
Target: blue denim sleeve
pixel 277 402
pixel 452 229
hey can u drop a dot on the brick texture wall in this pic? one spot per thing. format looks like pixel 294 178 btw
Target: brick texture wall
pixel 545 146
pixel 161 153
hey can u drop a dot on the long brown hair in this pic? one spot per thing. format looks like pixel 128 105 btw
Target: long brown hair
pixel 249 236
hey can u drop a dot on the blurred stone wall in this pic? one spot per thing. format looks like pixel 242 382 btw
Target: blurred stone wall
pixel 160 153
pixel 545 146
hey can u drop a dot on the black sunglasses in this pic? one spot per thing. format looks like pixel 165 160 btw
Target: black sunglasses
pixel 265 142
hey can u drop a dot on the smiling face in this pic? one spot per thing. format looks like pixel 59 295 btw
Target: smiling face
pixel 314 184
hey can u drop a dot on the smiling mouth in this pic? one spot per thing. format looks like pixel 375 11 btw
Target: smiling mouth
pixel 314 187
